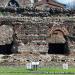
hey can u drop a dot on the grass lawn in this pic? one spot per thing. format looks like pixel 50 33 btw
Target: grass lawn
pixel 23 71
pixel 31 74
pixel 20 74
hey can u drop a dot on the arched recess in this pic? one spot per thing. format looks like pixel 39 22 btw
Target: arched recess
pixel 57 41
pixel 7 44
pixel 13 3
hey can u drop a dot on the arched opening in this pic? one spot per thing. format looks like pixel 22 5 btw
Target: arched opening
pixel 58 43
pixel 13 3
pixel 9 48
pixel 58 48
pixel 8 44
pixel 6 49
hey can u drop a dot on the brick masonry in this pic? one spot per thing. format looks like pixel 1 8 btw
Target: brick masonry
pixel 32 33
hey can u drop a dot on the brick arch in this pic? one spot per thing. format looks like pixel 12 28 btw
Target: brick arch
pixel 58 35
pixel 58 30
pixel 13 3
pixel 57 41
pixel 63 30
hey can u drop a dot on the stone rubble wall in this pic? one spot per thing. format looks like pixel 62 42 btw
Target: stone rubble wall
pixel 46 60
pixel 31 33
pixel 6 34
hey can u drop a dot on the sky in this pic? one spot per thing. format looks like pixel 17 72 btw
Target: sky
pixel 65 1
pixel 69 3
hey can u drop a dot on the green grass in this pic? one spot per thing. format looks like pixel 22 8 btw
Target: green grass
pixel 57 70
pixel 20 74
pixel 24 71
pixel 30 74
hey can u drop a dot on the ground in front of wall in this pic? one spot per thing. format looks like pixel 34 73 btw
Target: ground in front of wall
pixel 40 71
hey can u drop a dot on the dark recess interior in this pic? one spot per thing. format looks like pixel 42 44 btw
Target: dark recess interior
pixel 58 48
pixel 6 49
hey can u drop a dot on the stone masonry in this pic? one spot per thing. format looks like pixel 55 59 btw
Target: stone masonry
pixel 32 33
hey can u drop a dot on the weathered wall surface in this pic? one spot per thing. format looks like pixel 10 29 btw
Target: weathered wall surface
pixel 31 33
pixel 6 34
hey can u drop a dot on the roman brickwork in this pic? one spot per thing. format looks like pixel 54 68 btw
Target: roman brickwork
pixel 35 36
pixel 35 33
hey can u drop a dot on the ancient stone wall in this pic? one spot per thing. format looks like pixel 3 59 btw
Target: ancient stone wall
pixel 31 33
